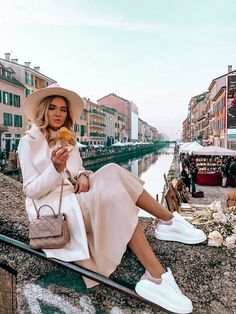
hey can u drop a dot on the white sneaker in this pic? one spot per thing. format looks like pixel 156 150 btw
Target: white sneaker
pixel 165 292
pixel 179 230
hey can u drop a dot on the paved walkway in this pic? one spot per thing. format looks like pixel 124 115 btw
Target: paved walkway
pixel 211 193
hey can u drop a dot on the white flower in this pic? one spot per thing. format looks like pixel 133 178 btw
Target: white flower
pixel 215 206
pixel 215 238
pixel 234 229
pixel 230 241
pixel 220 217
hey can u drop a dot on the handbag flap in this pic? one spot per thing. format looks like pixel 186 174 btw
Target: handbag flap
pixel 46 226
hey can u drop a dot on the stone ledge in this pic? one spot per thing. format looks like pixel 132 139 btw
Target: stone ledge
pixel 206 274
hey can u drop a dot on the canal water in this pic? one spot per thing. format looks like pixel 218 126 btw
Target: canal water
pixel 151 168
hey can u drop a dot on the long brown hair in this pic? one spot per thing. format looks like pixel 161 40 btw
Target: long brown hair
pixel 41 119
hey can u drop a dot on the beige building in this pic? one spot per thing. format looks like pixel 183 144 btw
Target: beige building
pixel 30 78
pixel 12 119
pixel 141 130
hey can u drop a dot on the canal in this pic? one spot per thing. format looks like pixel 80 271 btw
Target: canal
pixel 150 168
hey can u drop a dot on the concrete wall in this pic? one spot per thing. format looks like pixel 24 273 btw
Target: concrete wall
pixel 205 274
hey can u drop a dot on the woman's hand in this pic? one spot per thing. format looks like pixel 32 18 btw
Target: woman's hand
pixel 59 158
pixel 82 184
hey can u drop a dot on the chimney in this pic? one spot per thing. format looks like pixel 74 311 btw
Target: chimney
pixel 7 56
pixel 14 60
pixel 37 68
pixel 27 64
pixel 229 68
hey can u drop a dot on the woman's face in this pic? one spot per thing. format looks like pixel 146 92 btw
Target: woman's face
pixel 57 113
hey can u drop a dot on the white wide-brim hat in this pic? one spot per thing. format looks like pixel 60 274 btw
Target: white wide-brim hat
pixel 33 100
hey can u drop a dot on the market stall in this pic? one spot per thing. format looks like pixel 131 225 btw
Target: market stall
pixel 190 147
pixel 209 160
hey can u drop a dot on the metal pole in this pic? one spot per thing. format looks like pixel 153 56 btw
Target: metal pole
pixel 78 269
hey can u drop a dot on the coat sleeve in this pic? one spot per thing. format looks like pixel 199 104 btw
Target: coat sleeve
pixel 81 168
pixel 35 184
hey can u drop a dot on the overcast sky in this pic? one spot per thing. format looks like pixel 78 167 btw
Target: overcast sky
pixel 157 53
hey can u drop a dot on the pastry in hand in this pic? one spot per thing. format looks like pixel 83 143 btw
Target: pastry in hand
pixel 64 136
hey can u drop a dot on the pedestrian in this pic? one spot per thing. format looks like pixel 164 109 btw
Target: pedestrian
pixel 224 172
pixel 193 178
pixel 101 207
pixel 185 176
pixel 232 170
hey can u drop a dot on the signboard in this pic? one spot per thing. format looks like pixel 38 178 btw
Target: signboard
pixel 231 102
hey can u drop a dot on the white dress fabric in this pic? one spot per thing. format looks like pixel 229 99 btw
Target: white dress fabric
pixel 110 217
pixel 101 221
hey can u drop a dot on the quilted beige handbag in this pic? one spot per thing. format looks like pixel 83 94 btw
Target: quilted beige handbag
pixel 49 232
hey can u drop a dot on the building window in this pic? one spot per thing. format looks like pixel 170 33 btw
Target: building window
pixel 7 118
pixel 27 92
pixel 17 121
pixel 8 74
pixel 82 130
pixel 0 96
pixel 5 98
pixel 16 101
pixel 29 79
pixel 10 99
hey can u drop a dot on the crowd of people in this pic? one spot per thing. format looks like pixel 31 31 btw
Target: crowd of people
pixel 190 170
pixel 228 169
pixel 189 173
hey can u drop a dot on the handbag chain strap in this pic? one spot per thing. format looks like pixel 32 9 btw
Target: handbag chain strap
pixel 60 201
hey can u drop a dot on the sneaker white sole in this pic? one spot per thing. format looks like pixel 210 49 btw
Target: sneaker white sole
pixel 151 296
pixel 178 238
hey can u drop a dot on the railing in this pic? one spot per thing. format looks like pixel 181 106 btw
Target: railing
pixel 75 268
pixel 3 128
pixel 96 134
pixel 94 111
pixel 97 123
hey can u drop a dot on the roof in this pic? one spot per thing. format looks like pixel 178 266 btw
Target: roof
pixel 25 67
pixel 113 94
pixel 223 88
pixel 12 81
pixel 215 79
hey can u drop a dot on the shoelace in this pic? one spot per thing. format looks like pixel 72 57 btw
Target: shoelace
pixel 184 222
pixel 175 287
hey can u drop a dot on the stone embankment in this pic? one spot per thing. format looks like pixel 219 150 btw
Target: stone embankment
pixel 207 275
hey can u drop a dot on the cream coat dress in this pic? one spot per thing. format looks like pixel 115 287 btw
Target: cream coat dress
pixel 101 221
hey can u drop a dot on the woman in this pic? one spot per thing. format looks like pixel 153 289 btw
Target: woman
pixel 102 207
pixel 224 172
pixel 185 177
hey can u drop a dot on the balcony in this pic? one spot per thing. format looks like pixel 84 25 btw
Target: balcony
pixel 203 116
pixel 95 123
pixel 3 128
pixel 94 111
pixel 96 134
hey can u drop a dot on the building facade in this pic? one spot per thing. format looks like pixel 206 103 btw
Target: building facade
pixel 17 81
pixel 12 118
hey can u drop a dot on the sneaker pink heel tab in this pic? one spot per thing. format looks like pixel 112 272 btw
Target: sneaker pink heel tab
pixel 149 277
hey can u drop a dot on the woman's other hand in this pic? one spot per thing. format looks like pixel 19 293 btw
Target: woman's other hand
pixel 59 158
pixel 82 184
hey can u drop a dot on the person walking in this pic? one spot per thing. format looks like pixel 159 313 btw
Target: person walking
pixel 193 178
pixel 224 172
pixel 102 207
pixel 232 170
pixel 185 176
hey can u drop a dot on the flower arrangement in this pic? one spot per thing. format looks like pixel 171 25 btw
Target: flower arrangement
pixel 219 223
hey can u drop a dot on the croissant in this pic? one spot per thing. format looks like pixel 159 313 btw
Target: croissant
pixel 64 136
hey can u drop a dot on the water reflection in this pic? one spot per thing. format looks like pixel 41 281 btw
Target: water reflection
pixel 151 168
